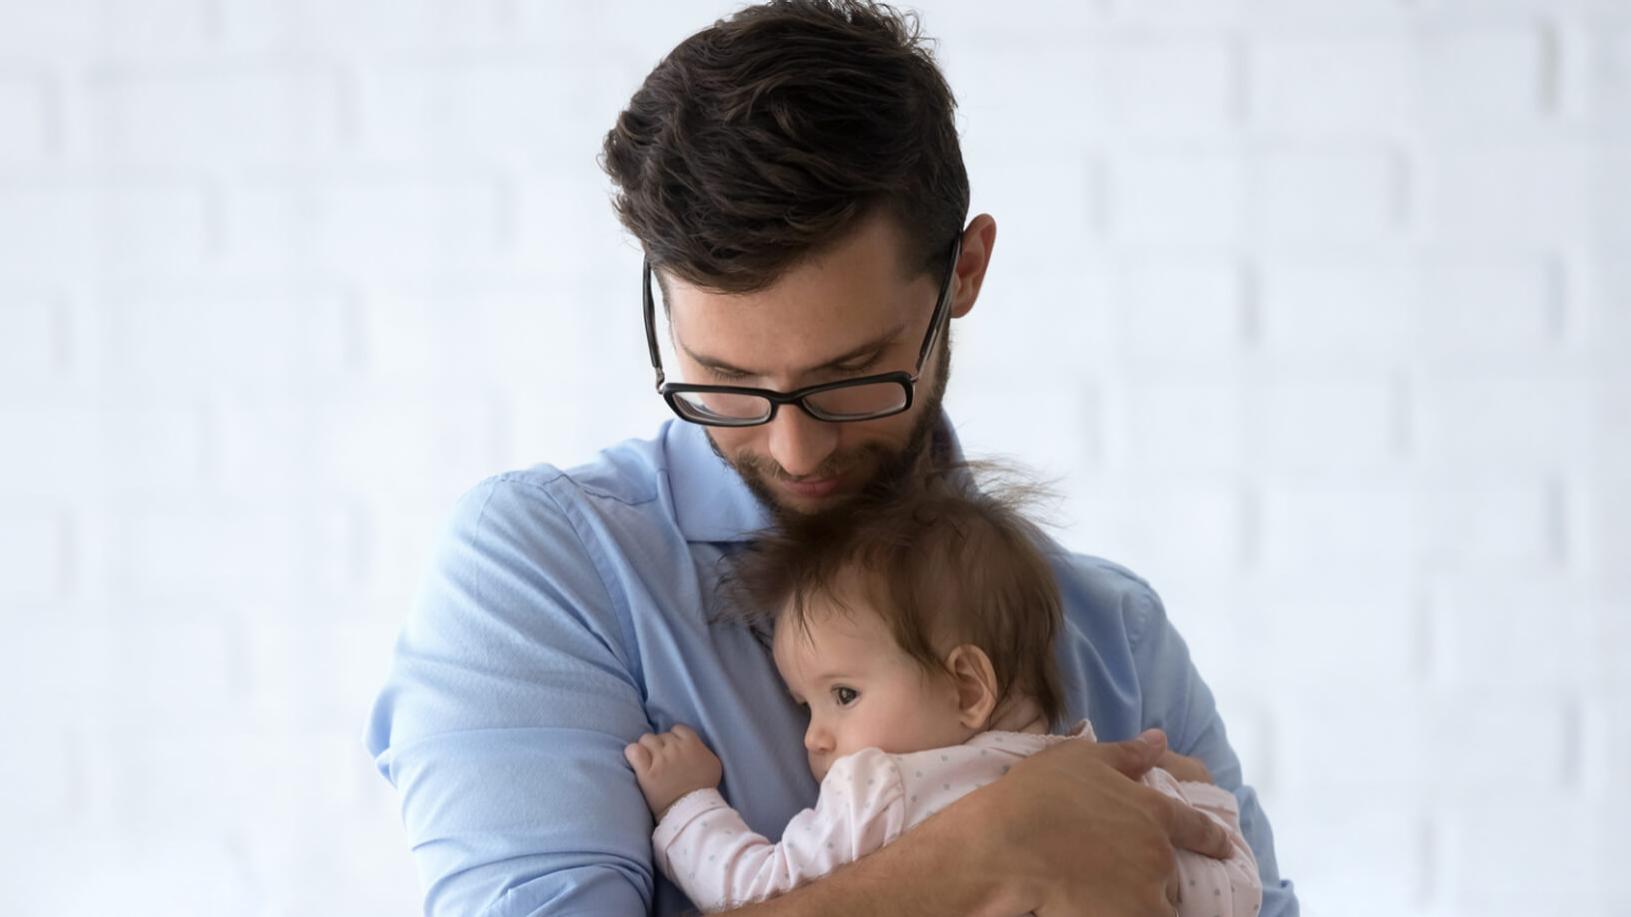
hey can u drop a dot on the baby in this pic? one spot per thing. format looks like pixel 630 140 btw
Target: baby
pixel 904 626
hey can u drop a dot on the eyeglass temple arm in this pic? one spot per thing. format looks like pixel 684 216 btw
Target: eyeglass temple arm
pixel 651 320
pixel 941 304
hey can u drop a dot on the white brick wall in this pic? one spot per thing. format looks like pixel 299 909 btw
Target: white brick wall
pixel 1340 326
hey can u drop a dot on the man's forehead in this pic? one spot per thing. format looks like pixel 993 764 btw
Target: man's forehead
pixel 797 328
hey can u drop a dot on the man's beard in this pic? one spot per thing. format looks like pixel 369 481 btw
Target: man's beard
pixel 891 466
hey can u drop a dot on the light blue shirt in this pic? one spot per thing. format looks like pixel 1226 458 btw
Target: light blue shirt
pixel 567 612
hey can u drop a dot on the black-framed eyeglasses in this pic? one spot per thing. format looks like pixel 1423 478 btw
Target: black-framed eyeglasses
pixel 848 400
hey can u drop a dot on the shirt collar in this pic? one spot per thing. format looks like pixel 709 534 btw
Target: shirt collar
pixel 711 503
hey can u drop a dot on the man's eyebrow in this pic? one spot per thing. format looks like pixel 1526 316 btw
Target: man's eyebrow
pixel 870 348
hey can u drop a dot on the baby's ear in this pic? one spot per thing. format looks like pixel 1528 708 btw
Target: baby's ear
pixel 976 682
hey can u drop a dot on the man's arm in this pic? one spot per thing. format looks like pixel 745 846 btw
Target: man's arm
pixel 1067 832
pixel 503 721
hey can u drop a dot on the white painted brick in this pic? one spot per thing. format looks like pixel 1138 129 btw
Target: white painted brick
pixel 56 449
pixel 1166 85
pixel 995 89
pixel 1607 739
pixel 41 773
pixel 1500 423
pixel 1609 539
pixel 1320 197
pixel 1365 635
pixel 1490 306
pixel 1509 194
pixel 566 224
pixel 247 25
pixel 69 26
pixel 986 416
pixel 1178 425
pixel 1494 854
pixel 1355 860
pixel 1046 206
pixel 64 665
pixel 954 25
pixel 149 450
pixel 396 544
pixel 1475 77
pixel 258 444
pixel 1264 13
pixel 1165 197
pixel 302 678
pixel 25 119
pixel 1331 534
pixel 1323 83
pixel 1609 75
pixel 406 440
pixel 1018 320
pixel 1179 310
pixel 152 28
pixel 33 338
pixel 1466 523
pixel 217 115
pixel 427 331
pixel 34 554
pixel 60 231
pixel 1198 520
pixel 1350 309
pixel 1318 426
pixel 1505 741
pixel 514 105
pixel 1494 628
pixel 219 553
pixel 364 223
pixel 173 336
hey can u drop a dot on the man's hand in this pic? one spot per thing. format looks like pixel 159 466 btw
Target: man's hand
pixel 671 764
pixel 1069 831
pixel 1185 768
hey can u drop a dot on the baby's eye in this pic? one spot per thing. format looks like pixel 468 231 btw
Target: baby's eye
pixel 845 696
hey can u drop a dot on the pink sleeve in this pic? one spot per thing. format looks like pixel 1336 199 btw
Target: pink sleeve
pixel 703 845
pixel 1208 887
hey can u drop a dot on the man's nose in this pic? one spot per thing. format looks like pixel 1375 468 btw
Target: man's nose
pixel 798 442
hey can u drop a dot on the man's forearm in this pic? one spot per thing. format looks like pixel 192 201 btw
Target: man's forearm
pixel 928 871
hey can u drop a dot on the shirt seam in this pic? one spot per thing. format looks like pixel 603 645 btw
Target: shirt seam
pixel 619 602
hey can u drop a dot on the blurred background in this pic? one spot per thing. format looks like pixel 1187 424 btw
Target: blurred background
pixel 1319 312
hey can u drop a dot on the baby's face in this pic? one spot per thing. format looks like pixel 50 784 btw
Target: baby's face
pixel 863 691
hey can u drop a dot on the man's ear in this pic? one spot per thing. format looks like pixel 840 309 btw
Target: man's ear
pixel 976 682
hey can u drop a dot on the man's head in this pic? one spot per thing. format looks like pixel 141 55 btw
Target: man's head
pixel 794 176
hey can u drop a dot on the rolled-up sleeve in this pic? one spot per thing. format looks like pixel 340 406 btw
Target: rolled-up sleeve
pixel 1176 699
pixel 510 697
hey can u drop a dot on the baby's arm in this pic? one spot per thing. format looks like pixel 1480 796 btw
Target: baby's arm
pixel 1229 888
pixel 705 847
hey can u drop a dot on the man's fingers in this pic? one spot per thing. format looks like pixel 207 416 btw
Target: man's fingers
pixel 1190 829
pixel 1134 757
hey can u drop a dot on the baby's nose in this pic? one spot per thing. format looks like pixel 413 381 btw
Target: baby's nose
pixel 817 740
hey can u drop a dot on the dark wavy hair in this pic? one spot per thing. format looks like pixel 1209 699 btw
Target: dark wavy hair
pixel 765 138
pixel 949 558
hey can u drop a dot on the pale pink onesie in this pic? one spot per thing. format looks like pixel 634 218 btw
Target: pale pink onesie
pixel 870 798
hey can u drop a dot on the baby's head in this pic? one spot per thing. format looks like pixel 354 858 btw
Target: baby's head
pixel 905 625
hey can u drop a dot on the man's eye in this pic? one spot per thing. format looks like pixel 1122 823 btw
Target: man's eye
pixel 845 696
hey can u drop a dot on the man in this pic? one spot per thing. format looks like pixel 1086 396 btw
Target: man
pixel 794 176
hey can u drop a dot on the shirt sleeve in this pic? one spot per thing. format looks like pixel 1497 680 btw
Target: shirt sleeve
pixel 1176 699
pixel 503 719
pixel 703 845
pixel 1208 887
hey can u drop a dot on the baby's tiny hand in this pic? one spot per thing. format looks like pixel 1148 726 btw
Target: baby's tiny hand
pixel 670 765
